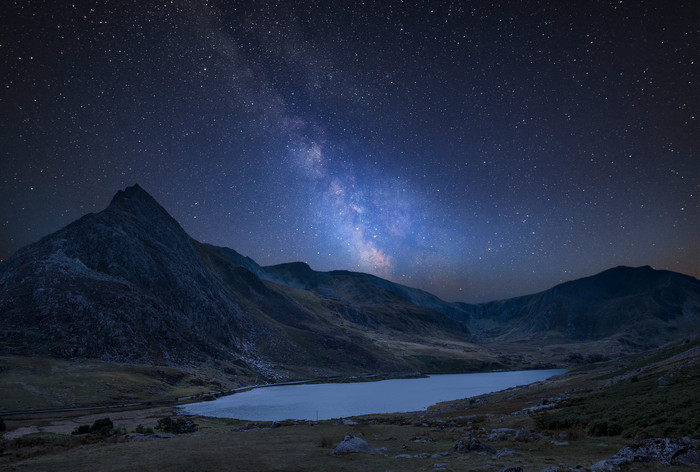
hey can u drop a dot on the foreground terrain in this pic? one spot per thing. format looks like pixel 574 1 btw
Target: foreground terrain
pixel 571 421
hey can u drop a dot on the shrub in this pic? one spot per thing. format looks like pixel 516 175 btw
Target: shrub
pixel 164 424
pixel 139 429
pixel 2 425
pixel 325 442
pixel 179 426
pixel 604 428
pixel 102 427
pixel 83 429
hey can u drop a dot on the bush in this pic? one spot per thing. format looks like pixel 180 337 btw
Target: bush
pixel 139 429
pixel 325 442
pixel 102 427
pixel 604 428
pixel 84 429
pixel 179 426
pixel 2 425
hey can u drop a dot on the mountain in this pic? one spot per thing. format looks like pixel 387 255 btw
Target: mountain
pixel 129 285
pixel 638 305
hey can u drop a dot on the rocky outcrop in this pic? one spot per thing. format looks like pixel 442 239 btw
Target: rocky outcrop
pixel 664 451
pixel 470 444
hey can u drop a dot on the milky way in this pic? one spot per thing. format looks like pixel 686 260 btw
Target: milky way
pixel 477 150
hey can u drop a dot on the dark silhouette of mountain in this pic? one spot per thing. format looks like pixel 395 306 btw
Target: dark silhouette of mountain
pixel 644 305
pixel 129 285
pixel 651 306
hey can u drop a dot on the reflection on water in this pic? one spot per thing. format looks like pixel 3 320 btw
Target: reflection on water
pixel 326 401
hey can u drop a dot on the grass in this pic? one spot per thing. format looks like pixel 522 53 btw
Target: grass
pixel 38 383
pixel 636 407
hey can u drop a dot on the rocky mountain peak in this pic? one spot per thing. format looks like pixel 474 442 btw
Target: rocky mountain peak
pixel 135 201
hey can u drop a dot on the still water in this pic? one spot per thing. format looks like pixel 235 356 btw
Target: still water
pixel 327 401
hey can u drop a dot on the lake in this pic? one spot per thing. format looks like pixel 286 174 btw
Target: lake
pixel 339 400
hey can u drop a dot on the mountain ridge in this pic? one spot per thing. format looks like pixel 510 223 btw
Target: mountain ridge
pixel 128 284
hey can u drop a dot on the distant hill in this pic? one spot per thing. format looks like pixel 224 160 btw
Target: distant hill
pixel 640 305
pixel 128 284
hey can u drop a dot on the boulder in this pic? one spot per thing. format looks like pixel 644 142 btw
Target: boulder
pixel 470 444
pixel 352 444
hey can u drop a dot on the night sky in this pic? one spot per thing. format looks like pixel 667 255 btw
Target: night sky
pixel 477 150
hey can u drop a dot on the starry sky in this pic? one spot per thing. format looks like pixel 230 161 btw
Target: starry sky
pixel 476 149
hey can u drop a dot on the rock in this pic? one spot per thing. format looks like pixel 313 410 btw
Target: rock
pixel 503 452
pixel 665 451
pixel 512 469
pixel 403 456
pixel 500 434
pixel 349 422
pixel 691 458
pixel 352 444
pixel 470 444
pixel 609 465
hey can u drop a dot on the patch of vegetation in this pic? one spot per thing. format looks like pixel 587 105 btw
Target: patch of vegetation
pixel 179 426
pixel 639 407
pixel 143 430
pixel 102 427
pixel 2 424
pixel 326 442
